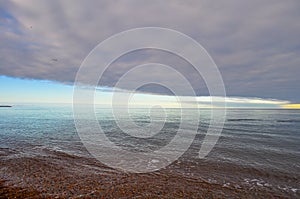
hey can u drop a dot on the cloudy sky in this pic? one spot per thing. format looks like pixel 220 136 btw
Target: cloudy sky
pixel 255 44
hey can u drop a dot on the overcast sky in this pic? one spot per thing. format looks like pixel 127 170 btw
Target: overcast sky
pixel 254 43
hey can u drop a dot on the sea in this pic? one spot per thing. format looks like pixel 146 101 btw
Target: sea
pixel 257 155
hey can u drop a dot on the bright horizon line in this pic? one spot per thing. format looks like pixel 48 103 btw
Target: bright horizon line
pixel 282 107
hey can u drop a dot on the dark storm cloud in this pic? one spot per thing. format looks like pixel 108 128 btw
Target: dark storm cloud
pixel 255 43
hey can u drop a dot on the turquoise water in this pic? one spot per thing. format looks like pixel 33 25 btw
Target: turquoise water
pixel 267 141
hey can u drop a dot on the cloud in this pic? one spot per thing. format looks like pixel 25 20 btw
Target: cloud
pixel 150 100
pixel 238 102
pixel 255 43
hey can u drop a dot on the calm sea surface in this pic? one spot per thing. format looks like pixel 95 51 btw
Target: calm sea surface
pixel 257 148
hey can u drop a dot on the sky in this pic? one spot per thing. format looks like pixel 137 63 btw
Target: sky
pixel 255 45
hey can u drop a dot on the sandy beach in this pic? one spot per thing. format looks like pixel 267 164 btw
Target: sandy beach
pixel 60 175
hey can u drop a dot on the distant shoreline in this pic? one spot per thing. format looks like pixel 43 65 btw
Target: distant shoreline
pixel 5 106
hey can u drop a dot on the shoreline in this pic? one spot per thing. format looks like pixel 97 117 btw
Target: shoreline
pixel 61 175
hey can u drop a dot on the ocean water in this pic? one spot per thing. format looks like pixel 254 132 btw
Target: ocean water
pixel 257 150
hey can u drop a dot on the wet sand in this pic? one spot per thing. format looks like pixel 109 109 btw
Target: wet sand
pixel 55 174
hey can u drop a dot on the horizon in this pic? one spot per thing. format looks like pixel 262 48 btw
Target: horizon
pixel 63 93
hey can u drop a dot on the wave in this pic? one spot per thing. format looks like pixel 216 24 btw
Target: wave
pixel 289 121
pixel 243 119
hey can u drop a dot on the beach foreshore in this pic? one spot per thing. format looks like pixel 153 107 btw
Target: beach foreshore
pixel 55 174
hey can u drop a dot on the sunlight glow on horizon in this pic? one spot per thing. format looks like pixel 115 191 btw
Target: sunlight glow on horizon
pixel 291 106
